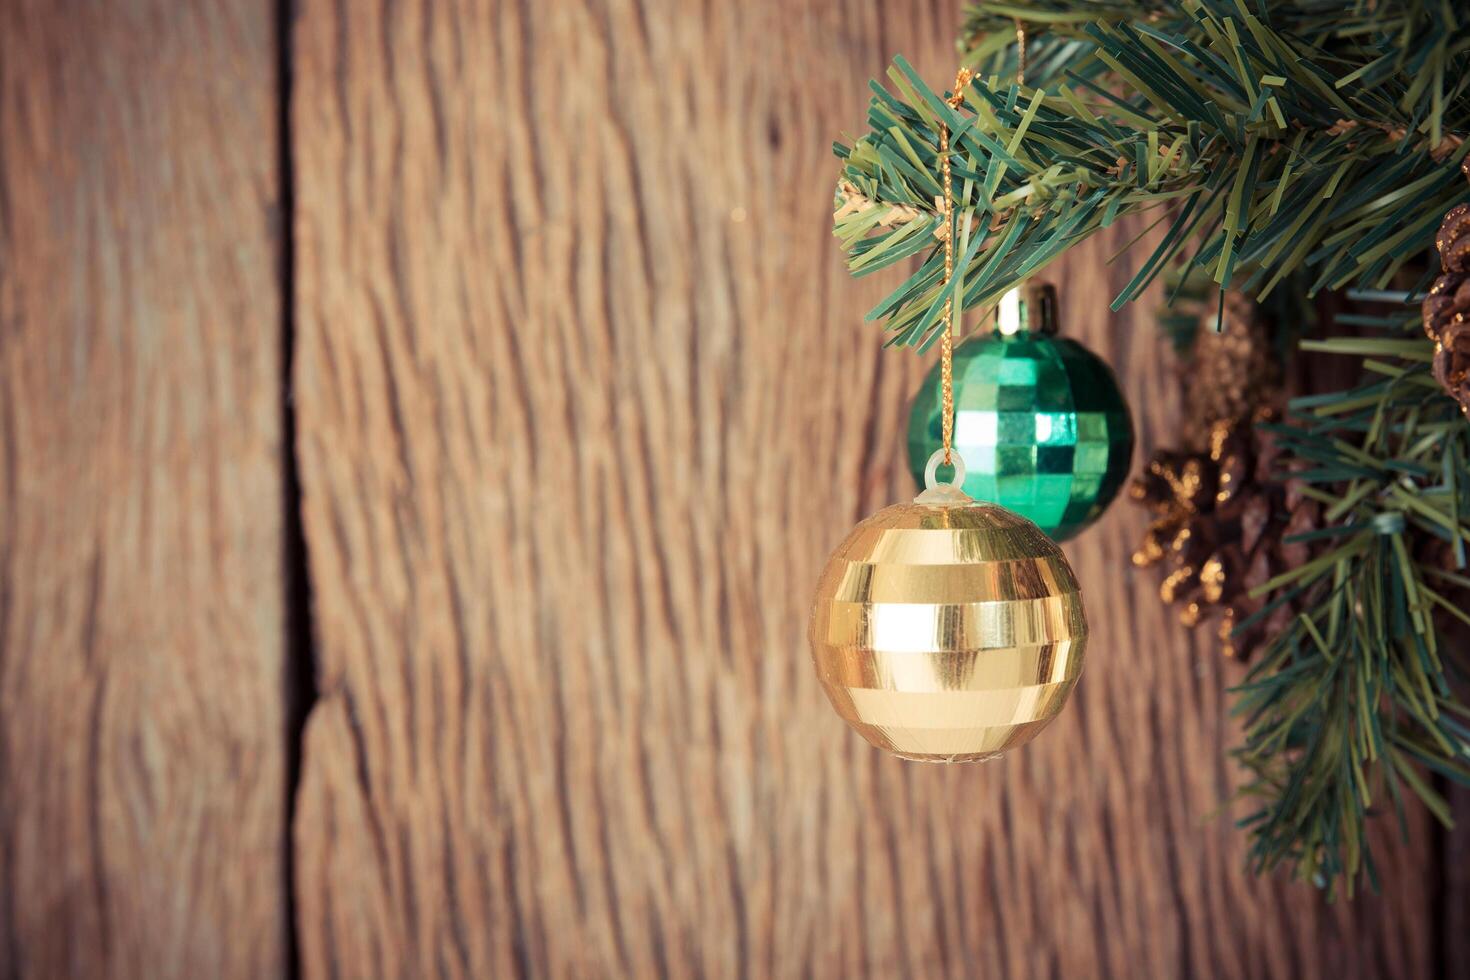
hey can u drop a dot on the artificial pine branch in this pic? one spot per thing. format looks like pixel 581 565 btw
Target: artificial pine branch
pixel 1263 144
pixel 1354 698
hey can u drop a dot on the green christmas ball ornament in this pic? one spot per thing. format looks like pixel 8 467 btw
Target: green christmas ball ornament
pixel 1040 421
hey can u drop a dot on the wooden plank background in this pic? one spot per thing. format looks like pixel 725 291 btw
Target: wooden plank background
pixel 545 310
pixel 143 758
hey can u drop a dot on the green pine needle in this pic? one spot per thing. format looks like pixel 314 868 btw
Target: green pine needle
pixel 1352 702
pixel 1307 138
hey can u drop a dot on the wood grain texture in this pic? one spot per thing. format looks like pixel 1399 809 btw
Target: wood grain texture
pixel 584 401
pixel 142 731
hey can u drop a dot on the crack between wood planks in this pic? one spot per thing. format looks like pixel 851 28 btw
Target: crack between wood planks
pixel 1446 888
pixel 299 675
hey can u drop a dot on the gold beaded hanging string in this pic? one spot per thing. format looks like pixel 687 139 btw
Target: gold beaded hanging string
pixel 1020 52
pixel 946 341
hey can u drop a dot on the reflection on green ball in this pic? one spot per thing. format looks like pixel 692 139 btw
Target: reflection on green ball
pixel 1040 423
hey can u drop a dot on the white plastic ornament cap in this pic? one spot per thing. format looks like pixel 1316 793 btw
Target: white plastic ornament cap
pixel 949 494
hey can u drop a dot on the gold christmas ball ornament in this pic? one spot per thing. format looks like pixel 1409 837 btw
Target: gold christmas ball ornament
pixel 948 630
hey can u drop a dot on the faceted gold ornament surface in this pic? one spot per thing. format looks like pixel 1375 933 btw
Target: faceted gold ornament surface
pixel 948 633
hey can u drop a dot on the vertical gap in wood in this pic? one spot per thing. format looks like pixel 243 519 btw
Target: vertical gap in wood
pixel 1450 883
pixel 1437 887
pixel 300 668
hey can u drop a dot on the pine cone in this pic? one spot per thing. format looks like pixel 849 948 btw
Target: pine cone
pixel 1219 517
pixel 1447 307
pixel 1220 521
pixel 1231 372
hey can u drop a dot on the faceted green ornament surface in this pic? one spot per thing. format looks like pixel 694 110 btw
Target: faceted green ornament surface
pixel 1040 422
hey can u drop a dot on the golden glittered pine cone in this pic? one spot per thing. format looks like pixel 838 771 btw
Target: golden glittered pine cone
pixel 1221 524
pixel 948 633
pixel 1232 371
pixel 1446 308
pixel 1448 300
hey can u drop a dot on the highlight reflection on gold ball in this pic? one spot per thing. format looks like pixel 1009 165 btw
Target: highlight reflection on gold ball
pixel 948 633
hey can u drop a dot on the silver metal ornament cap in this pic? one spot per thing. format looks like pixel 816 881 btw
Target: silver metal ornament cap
pixel 1029 308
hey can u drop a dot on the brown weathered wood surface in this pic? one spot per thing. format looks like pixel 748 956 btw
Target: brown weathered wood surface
pixel 584 400
pixel 142 698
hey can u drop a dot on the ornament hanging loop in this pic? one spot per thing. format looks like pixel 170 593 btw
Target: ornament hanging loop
pixel 931 472
pixel 949 494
